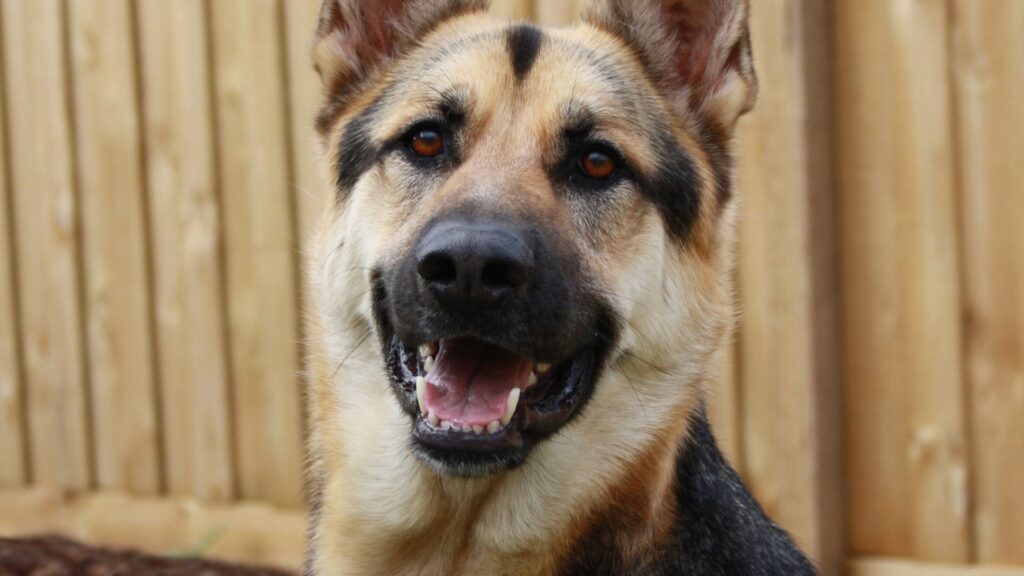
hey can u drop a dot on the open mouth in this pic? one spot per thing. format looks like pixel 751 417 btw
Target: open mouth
pixel 478 408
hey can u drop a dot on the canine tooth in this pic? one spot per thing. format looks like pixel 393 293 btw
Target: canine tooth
pixel 493 427
pixel 510 408
pixel 421 393
pixel 478 430
pixel 433 419
pixel 428 363
pixel 428 349
pixel 532 381
pixel 542 368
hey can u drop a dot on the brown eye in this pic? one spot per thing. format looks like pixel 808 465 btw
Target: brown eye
pixel 598 165
pixel 427 143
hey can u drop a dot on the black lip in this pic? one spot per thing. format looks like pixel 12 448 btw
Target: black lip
pixel 543 411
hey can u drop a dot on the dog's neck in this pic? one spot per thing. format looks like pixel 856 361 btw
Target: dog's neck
pixel 392 514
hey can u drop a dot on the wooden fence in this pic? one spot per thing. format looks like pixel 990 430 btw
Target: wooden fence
pixel 156 174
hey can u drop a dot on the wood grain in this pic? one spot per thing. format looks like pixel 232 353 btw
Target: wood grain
pixel 304 99
pixel 787 355
pixel 560 13
pixel 46 230
pixel 184 214
pixel 261 279
pixel 13 459
pixel 115 246
pixel 990 89
pixel 515 9
pixel 249 533
pixel 895 567
pixel 904 388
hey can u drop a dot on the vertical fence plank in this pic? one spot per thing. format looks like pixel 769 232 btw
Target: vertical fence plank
pixel 186 236
pixel 118 336
pixel 42 179
pixel 906 433
pixel 12 440
pixel 255 179
pixel 990 82
pixel 519 9
pixel 301 17
pixel 560 13
pixel 787 357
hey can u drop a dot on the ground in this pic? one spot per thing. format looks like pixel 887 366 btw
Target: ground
pixel 60 557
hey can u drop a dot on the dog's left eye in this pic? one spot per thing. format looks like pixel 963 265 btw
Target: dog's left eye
pixel 598 164
pixel 426 142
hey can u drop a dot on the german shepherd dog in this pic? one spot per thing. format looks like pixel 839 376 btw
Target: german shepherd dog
pixel 518 287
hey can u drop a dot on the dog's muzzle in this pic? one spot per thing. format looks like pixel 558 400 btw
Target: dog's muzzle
pixel 492 339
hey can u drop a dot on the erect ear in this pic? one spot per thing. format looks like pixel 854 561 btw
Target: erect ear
pixel 355 37
pixel 698 50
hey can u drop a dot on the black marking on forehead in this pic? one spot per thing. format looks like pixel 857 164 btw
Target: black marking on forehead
pixel 524 44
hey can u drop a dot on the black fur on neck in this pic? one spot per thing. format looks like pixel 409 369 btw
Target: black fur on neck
pixel 719 529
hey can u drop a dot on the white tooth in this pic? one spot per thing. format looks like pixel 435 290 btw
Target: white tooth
pixel 510 408
pixel 542 368
pixel 421 393
pixel 493 427
pixel 446 425
pixel 532 381
pixel 433 419
pixel 478 430
pixel 428 364
pixel 428 349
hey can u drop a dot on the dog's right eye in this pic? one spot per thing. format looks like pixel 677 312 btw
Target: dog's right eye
pixel 426 142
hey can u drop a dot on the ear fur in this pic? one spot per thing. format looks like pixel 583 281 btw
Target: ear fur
pixel 698 50
pixel 355 38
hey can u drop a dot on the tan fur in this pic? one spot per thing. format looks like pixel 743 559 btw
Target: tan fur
pixel 381 511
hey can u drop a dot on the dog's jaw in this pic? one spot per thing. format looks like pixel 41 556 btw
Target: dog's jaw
pixel 376 498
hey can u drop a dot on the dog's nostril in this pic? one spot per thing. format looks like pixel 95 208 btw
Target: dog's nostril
pixel 438 268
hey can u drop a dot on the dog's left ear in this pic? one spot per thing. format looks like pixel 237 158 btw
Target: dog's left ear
pixel 698 50
pixel 357 38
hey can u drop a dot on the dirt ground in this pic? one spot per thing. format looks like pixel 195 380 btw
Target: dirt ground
pixel 60 557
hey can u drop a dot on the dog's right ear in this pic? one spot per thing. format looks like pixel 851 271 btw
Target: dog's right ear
pixel 355 38
pixel 698 50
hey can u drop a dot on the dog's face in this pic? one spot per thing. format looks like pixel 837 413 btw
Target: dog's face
pixel 528 238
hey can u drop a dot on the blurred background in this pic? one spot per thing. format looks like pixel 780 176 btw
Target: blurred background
pixel 157 180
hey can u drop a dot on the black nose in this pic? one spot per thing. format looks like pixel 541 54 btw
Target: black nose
pixel 474 266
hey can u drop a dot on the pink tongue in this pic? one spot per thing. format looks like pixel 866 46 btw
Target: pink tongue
pixel 471 381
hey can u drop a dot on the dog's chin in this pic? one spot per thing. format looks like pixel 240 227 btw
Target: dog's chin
pixel 477 409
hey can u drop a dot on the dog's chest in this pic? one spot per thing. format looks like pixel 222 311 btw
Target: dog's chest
pixel 429 531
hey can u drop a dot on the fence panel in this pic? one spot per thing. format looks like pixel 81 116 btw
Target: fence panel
pixel 46 235
pixel 990 92
pixel 787 354
pixel 12 439
pixel 262 270
pixel 185 227
pixel 115 246
pixel 905 410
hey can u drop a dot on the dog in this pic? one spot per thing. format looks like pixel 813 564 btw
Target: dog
pixel 518 287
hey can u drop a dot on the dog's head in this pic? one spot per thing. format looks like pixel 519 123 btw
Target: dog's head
pixel 528 235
